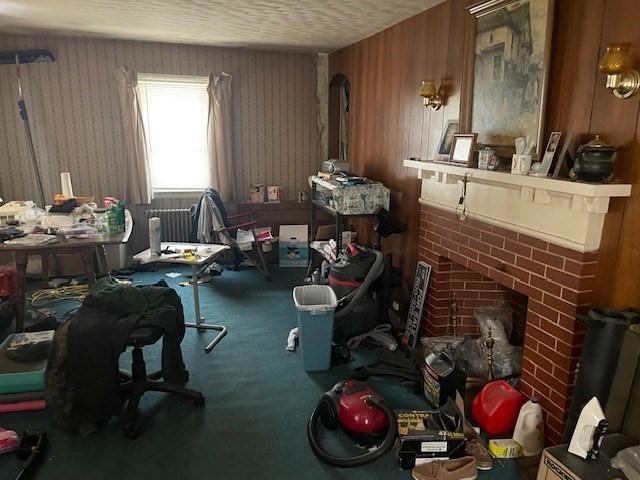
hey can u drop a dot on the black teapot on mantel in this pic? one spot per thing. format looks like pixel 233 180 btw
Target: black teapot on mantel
pixel 594 161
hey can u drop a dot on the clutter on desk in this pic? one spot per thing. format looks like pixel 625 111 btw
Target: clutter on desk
pixel 20 210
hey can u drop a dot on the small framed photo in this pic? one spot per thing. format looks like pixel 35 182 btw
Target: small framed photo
pixel 447 137
pixel 462 148
pixel 549 154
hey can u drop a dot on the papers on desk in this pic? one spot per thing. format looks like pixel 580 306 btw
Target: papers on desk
pixel 33 240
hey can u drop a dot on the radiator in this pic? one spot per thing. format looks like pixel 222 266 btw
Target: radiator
pixel 175 223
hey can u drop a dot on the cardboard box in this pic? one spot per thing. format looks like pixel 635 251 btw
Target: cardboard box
pixel 504 448
pixel 558 464
pixel 415 444
pixel 293 246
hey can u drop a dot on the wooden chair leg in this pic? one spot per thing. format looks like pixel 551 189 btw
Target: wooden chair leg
pixel 265 268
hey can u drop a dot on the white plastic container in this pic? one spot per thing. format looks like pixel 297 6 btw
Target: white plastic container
pixel 154 236
pixel 529 431
pixel 315 305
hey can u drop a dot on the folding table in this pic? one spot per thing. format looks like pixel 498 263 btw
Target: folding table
pixel 205 253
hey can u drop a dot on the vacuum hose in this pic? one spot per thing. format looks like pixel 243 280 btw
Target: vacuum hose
pixel 374 272
pixel 356 461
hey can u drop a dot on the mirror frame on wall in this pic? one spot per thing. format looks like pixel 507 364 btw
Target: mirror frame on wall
pixel 339 98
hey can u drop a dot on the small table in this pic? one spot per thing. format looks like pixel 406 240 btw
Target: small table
pixel 206 253
pixel 85 247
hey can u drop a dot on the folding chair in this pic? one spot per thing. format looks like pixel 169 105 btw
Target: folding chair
pixel 214 223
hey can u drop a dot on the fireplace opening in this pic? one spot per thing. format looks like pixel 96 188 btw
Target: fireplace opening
pixel 455 292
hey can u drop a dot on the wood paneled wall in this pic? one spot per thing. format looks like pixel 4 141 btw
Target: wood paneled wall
pixel 389 123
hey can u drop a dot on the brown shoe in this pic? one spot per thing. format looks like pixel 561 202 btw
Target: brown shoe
pixel 460 469
pixel 477 450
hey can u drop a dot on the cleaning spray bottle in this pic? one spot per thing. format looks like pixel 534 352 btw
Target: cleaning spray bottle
pixel 529 431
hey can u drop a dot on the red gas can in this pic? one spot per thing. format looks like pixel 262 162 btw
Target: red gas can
pixel 496 408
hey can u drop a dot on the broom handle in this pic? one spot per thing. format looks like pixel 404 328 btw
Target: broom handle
pixel 22 106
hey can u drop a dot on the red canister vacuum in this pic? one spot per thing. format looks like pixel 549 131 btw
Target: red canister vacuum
pixel 362 414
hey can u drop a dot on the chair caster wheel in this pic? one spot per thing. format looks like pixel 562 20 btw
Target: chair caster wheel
pixel 198 401
pixel 132 430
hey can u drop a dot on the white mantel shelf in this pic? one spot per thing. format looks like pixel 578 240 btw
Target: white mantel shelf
pixel 564 212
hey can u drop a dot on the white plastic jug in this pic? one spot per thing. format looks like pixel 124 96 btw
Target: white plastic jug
pixel 529 432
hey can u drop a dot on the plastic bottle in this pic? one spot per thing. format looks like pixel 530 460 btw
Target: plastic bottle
pixel 121 216
pixel 154 236
pixel 529 431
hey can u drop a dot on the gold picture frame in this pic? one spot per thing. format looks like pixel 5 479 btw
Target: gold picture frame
pixel 506 69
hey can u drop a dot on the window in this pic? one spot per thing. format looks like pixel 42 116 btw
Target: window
pixel 174 111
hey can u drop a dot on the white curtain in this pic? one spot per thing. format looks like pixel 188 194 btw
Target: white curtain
pixel 219 136
pixel 136 167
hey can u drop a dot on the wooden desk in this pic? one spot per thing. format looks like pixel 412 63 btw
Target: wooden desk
pixel 86 248
pixel 207 253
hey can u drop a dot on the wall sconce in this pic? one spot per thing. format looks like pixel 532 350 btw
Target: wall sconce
pixel 622 79
pixel 430 95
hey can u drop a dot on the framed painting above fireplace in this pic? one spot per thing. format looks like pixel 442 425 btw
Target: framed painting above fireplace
pixel 507 50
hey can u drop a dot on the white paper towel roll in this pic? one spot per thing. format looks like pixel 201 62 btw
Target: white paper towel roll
pixel 65 180
pixel 154 236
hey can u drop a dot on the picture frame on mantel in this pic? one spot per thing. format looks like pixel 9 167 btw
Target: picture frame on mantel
pixel 462 149
pixel 506 70
pixel 452 127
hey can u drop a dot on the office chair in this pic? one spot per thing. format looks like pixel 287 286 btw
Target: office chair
pixel 137 382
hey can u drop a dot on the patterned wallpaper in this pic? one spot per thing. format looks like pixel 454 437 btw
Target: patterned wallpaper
pixel 75 117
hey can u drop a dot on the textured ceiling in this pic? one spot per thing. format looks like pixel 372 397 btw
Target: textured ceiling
pixel 313 25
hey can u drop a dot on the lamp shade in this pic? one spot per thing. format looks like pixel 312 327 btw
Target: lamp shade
pixel 616 60
pixel 428 88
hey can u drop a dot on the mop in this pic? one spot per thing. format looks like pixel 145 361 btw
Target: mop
pixel 18 58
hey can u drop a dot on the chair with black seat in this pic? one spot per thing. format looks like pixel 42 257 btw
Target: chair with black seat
pixel 138 382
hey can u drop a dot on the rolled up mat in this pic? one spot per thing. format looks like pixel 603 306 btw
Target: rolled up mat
pixel 27 406
pixel 603 340
pixel 21 397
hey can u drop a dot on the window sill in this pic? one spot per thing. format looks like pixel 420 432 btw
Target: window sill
pixel 178 193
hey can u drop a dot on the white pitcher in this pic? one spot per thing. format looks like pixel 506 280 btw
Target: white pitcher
pixel 529 431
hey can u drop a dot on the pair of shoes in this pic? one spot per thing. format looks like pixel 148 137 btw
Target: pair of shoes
pixel 475 448
pixel 460 469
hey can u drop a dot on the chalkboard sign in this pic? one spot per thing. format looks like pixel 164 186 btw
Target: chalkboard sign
pixel 412 330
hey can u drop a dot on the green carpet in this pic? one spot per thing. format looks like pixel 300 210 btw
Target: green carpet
pixel 258 402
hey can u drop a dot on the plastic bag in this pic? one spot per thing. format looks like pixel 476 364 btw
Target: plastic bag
pixel 628 460
pixel 471 354
pixel 498 318
pixel 9 440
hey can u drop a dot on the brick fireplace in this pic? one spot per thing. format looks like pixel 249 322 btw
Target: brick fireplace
pixel 546 284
